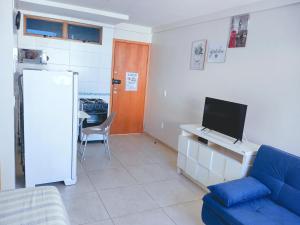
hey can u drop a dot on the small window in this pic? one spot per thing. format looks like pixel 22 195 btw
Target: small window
pixel 44 28
pixel 61 29
pixel 84 33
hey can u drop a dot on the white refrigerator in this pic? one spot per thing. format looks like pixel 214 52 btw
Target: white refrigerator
pixel 50 104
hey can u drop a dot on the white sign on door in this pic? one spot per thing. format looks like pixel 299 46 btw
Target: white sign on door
pixel 131 81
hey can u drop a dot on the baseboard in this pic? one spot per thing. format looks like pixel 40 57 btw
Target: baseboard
pixel 69 182
pixel 160 141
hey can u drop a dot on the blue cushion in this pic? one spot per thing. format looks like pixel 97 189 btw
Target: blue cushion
pixel 239 191
pixel 262 211
pixel 279 171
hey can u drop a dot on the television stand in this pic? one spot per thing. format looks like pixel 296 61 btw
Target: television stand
pixel 209 157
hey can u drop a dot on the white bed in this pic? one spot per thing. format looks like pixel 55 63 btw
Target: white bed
pixel 32 206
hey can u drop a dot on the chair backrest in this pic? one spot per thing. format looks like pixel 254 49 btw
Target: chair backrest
pixel 108 122
pixel 280 172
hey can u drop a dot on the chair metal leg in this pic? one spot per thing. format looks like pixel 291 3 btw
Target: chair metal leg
pixel 83 152
pixel 81 145
pixel 107 145
pixel 104 142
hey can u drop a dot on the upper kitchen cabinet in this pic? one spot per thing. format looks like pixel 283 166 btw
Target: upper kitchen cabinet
pixel 43 27
pixel 61 29
pixel 86 34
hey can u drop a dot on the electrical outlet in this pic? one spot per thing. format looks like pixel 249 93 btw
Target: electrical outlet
pixel 162 125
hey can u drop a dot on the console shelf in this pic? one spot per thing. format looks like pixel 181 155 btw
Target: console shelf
pixel 217 161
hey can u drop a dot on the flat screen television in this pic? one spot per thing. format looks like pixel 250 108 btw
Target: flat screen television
pixel 225 117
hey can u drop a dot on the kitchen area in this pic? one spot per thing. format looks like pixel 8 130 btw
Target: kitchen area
pixel 62 84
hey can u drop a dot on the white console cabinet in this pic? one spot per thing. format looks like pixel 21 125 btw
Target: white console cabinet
pixel 217 161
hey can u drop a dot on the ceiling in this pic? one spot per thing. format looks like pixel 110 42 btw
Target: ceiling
pixel 159 12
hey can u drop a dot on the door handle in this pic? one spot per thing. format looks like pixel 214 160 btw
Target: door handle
pixel 115 81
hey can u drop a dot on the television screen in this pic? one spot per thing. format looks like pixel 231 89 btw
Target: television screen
pixel 225 117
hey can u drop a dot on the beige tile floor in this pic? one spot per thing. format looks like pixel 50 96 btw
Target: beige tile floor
pixel 139 186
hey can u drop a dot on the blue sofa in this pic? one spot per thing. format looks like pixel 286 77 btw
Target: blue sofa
pixel 269 196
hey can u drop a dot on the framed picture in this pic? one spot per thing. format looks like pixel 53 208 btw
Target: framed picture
pixel 239 31
pixel 198 55
pixel 216 52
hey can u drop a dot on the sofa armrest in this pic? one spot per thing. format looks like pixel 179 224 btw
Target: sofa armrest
pixel 239 191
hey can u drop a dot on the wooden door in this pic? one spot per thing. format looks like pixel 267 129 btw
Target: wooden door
pixel 130 69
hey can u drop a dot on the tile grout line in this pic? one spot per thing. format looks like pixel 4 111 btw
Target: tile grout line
pixel 97 191
pixel 154 209
pixel 124 167
pixel 137 183
pixel 101 200
pixel 98 194
pixel 164 212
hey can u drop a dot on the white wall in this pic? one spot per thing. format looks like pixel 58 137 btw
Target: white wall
pixel 133 32
pixel 93 62
pixel 7 154
pixel 265 75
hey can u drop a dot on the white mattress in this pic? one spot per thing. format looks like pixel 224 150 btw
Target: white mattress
pixel 32 206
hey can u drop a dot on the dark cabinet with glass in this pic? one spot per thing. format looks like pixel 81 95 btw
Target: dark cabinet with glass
pixel 84 33
pixel 42 27
pixel 60 29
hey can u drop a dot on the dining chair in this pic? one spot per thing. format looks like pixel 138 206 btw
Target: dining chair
pixel 102 129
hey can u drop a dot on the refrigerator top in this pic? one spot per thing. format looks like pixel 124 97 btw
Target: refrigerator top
pixel 54 71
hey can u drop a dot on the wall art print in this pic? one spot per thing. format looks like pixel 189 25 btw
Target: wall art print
pixel 239 31
pixel 198 55
pixel 216 52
